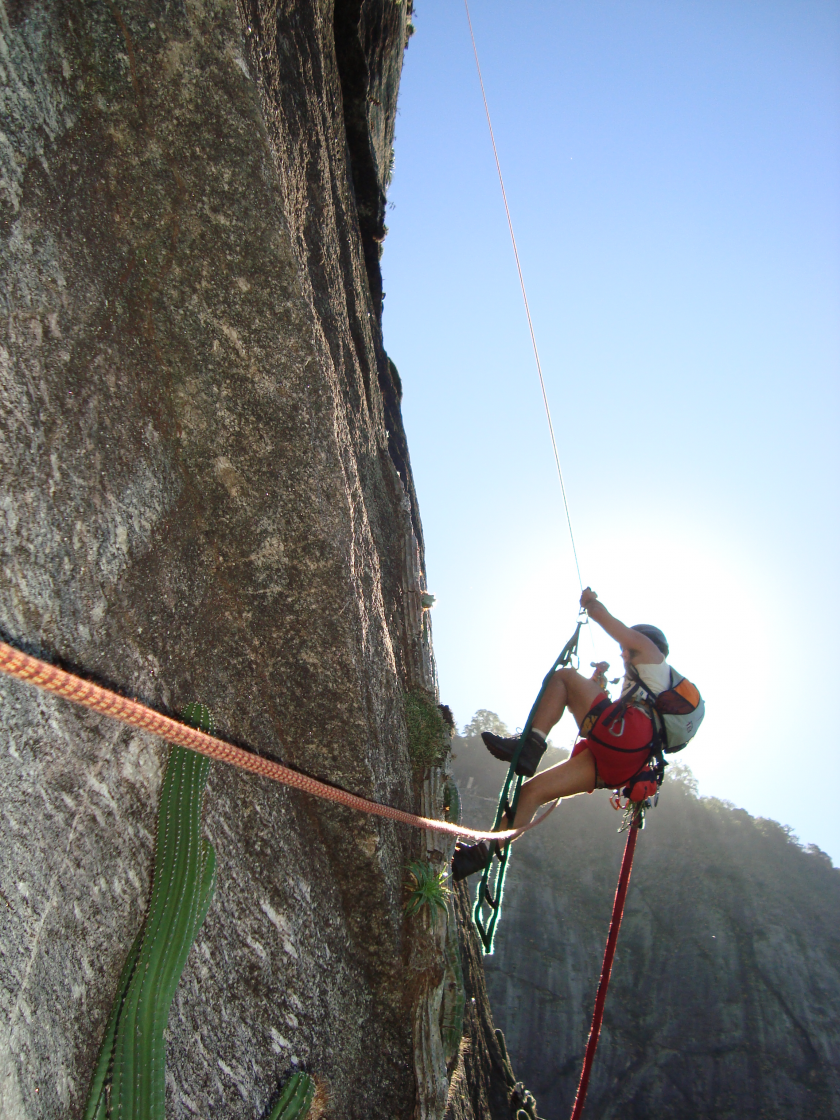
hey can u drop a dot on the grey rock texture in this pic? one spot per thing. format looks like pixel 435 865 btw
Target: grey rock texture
pixel 483 1085
pixel 724 1001
pixel 205 495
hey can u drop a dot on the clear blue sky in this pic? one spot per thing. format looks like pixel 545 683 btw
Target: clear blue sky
pixel 673 171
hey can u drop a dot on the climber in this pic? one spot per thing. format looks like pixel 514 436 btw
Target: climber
pixel 616 738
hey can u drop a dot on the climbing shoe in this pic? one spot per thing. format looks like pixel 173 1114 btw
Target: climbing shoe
pixel 470 858
pixel 505 748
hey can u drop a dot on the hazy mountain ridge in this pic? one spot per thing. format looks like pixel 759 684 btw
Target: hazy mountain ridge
pixel 726 987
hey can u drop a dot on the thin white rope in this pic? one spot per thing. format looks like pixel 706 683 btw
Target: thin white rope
pixel 525 298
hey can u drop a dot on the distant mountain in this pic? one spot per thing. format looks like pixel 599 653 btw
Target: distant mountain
pixel 724 1002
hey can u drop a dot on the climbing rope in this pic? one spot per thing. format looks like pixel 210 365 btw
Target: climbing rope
pixel 606 968
pixel 525 299
pixel 44 676
pixel 492 898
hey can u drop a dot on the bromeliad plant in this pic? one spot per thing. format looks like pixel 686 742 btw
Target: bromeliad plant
pixel 427 889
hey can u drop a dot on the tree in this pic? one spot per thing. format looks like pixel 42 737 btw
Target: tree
pixel 484 720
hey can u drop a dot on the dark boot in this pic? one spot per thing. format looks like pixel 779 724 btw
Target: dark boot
pixel 470 858
pixel 505 748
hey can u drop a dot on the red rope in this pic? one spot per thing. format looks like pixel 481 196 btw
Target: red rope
pixel 606 968
pixel 25 668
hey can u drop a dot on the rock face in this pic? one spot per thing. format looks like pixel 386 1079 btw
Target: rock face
pixel 725 994
pixel 206 496
pixel 483 1084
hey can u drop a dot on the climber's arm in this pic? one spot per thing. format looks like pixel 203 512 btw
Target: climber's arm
pixel 642 649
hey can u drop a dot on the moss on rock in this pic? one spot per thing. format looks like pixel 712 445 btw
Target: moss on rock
pixel 428 738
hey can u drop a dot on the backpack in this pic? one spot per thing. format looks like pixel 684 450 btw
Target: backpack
pixel 677 712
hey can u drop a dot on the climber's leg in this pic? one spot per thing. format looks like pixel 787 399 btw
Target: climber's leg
pixel 575 775
pixel 566 689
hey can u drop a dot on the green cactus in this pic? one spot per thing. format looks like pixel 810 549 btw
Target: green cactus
pixel 129 1081
pixel 452 802
pixel 199 716
pixel 296 1098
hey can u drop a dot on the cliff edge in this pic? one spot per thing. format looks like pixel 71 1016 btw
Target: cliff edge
pixel 206 496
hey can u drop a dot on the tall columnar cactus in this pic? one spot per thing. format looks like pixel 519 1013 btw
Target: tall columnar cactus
pixel 295 1100
pixel 129 1081
pixel 452 802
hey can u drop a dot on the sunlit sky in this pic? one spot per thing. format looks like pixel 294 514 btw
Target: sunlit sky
pixel 673 172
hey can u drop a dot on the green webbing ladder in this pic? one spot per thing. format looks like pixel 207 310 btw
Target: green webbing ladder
pixel 491 888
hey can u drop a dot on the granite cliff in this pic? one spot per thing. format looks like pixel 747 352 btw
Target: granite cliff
pixel 206 496
pixel 724 1001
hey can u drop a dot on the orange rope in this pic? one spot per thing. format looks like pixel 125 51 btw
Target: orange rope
pixel 25 668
